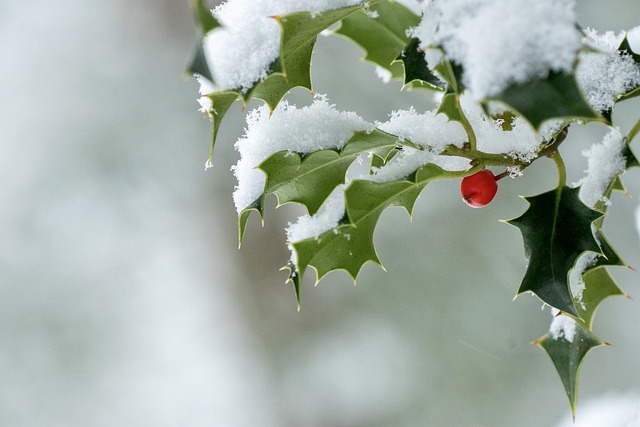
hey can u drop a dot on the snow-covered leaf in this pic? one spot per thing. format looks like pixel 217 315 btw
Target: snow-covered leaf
pixel 556 230
pixel 350 246
pixel 310 178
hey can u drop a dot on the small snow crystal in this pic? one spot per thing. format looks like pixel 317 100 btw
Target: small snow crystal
pixel 562 326
pixel 605 75
pixel 248 26
pixel 302 130
pixel 502 42
pixel 576 282
pixel 605 160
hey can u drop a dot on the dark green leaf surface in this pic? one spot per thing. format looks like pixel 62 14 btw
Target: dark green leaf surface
pixel 416 68
pixel 556 230
pixel 567 356
pixel 556 96
pixel 309 179
pixel 198 63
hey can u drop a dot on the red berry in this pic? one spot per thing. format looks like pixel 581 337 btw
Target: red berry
pixel 479 189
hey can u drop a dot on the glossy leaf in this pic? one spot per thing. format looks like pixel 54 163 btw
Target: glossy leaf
pixel 244 215
pixel 567 356
pixel 350 246
pixel 416 69
pixel 555 96
pixel 382 37
pixel 309 179
pixel 220 104
pixel 556 229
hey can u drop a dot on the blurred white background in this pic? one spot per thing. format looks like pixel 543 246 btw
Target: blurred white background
pixel 125 302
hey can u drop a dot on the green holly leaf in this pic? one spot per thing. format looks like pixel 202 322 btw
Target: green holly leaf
pixel 243 217
pixel 416 69
pixel 220 103
pixel 555 96
pixel 382 37
pixel 567 356
pixel 291 69
pixel 203 16
pixel 350 246
pixel 309 179
pixel 599 285
pixel 556 230
pixel 198 63
pixel 450 106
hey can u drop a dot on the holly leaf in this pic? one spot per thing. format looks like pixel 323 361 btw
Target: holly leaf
pixel 291 69
pixel 555 96
pixel 198 63
pixel 243 217
pixel 220 103
pixel 567 356
pixel 556 229
pixel 203 16
pixel 416 69
pixel 599 285
pixel 383 36
pixel 350 246
pixel 310 178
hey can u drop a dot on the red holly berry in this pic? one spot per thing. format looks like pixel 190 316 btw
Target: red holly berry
pixel 479 189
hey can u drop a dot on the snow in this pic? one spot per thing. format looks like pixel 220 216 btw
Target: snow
pixel 562 326
pixel 241 51
pixel 430 130
pixel 605 75
pixel 302 130
pixel 605 160
pixel 576 282
pixel 538 37
pixel 328 217
pixel 610 410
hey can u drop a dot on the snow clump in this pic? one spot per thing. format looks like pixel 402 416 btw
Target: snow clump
pixel 249 26
pixel 605 75
pixel 502 42
pixel 605 161
pixel 301 130
pixel 562 326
